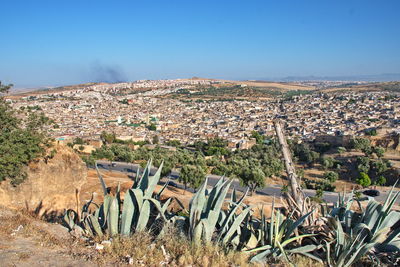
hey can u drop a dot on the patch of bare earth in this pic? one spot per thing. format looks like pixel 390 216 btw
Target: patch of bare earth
pixel 26 241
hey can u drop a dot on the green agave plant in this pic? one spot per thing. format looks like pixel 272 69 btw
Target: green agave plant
pixel 377 220
pixel 347 248
pixel 140 209
pixel 369 232
pixel 208 221
pixel 276 236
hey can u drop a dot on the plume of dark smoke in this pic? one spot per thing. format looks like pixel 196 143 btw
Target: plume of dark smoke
pixel 106 73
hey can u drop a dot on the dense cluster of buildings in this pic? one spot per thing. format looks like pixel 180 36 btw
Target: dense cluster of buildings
pixel 86 112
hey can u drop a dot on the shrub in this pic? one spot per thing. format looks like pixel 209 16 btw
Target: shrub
pixel 379 151
pixel 341 150
pixel 327 162
pixel 364 179
pixel 331 176
pixel 381 180
pixel 21 139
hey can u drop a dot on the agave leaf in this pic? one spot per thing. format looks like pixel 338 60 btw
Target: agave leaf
pixel 153 181
pixel 138 202
pixel 165 206
pixel 162 189
pixel 391 218
pixel 298 223
pixel 235 226
pixel 392 236
pixel 113 214
pixel 272 221
pixel 158 206
pixel 144 180
pixel 290 240
pixel 96 225
pixel 103 184
pixel 144 216
pixel 85 208
pixel 232 212
pixel 69 218
pixel 128 210
pixel 216 208
pixel 388 199
pixel 259 248
pixel 213 195
pixel 283 252
pixel 106 208
pixel 197 203
pixel 361 251
pixel 198 232
pixel 328 253
pixel 340 234
pixel 303 249
pixel 233 195
pixel 263 255
pixel 87 227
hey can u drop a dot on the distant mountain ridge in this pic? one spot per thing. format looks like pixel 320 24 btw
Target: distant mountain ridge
pixel 385 77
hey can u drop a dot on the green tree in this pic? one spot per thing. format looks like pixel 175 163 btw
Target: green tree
pixel 22 139
pixel 331 176
pixel 121 153
pixel 305 154
pixel 175 143
pixel 371 132
pixel 362 144
pixel 79 141
pixel 363 164
pixel 381 180
pixel 379 167
pixel 192 175
pixel 379 151
pixel 253 177
pixel 327 162
pixel 341 150
pixel 364 179
pixel 259 137
pixel 108 138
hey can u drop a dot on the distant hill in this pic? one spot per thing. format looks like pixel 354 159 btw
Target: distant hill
pixel 386 77
pixel 375 86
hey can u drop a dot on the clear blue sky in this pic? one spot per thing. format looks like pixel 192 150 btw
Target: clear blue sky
pixel 65 41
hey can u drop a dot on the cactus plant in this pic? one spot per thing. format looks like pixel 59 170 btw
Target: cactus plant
pixel 276 235
pixel 141 209
pixel 207 218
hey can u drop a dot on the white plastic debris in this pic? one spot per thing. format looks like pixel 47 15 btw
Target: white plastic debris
pixel 99 246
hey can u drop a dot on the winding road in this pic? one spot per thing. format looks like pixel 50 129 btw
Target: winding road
pixel 272 190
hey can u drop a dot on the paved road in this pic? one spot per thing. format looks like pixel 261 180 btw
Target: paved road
pixel 273 190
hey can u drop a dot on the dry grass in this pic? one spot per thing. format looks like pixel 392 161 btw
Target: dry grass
pixel 142 249
pixel 10 222
pixel 23 224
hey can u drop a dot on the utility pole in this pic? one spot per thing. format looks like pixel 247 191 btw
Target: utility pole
pixel 296 192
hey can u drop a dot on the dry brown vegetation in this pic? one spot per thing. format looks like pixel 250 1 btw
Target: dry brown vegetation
pixel 27 241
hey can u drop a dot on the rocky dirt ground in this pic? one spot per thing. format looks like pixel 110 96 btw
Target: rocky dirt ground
pixel 27 241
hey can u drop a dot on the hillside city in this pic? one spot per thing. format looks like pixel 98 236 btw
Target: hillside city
pixel 128 109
